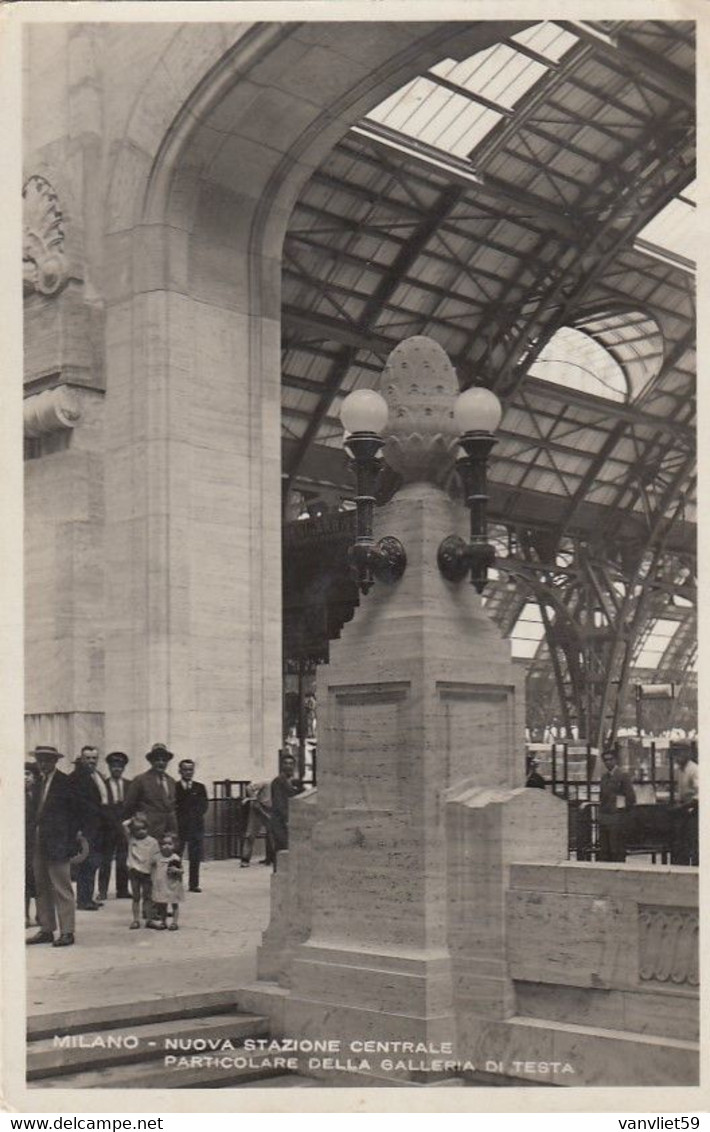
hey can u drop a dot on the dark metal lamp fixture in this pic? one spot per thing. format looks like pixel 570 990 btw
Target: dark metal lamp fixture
pixel 477 414
pixel 364 416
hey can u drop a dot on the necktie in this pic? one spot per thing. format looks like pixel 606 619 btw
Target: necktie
pixel 164 781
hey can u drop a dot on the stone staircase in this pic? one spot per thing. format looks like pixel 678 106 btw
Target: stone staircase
pixel 125 1046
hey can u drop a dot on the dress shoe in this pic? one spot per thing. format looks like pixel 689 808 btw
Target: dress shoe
pixel 92 906
pixel 41 937
pixel 66 939
pixel 195 889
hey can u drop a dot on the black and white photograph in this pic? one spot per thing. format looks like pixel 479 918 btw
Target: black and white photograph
pixel 354 606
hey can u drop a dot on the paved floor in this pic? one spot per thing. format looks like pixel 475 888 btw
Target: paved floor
pixel 215 948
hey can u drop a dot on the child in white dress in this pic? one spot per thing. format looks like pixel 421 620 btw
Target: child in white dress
pixel 166 873
pixel 142 849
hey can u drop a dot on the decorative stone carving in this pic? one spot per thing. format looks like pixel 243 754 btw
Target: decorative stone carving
pixel 50 411
pixel 668 945
pixel 420 386
pixel 43 261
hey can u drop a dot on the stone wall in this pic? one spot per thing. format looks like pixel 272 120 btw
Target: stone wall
pixel 176 152
pixel 604 967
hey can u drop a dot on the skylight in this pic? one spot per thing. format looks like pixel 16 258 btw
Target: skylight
pixel 527 632
pixel 656 643
pixel 673 231
pixel 576 361
pixel 457 103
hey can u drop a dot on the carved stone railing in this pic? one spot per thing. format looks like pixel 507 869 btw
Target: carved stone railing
pixel 668 945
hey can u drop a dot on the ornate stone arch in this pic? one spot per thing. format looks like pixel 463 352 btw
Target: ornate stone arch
pixel 202 186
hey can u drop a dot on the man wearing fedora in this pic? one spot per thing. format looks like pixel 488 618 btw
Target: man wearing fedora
pixel 55 839
pixel 153 793
pixel 115 847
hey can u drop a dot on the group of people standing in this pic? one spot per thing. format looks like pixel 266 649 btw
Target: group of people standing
pixel 79 825
pixel 617 801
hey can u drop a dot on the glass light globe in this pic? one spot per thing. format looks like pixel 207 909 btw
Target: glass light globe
pixel 477 410
pixel 364 410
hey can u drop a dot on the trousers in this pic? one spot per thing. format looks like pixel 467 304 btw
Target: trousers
pixel 194 856
pixel 115 847
pixel 86 876
pixel 612 842
pixel 55 895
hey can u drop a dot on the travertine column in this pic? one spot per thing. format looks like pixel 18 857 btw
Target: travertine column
pixel 421 695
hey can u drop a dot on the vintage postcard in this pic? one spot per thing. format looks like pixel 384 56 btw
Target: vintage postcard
pixel 349 596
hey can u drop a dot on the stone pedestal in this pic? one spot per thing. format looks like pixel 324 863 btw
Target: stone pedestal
pixel 421 695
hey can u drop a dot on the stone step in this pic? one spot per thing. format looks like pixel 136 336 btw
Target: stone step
pixel 97 1049
pixel 115 1015
pixel 154 1075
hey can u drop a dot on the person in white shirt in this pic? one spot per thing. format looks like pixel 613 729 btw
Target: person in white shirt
pixel 685 841
pixel 115 843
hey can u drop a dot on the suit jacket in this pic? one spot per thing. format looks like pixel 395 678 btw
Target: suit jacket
pixel 94 818
pixel 57 819
pixel 146 793
pixel 116 810
pixel 282 789
pixel 191 806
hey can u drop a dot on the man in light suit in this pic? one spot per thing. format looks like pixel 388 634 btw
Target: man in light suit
pixel 192 805
pixel 115 845
pixel 153 793
pixel 56 827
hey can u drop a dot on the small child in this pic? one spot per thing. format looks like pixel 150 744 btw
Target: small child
pixel 142 850
pixel 167 884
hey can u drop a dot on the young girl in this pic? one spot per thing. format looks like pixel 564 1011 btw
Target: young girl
pixel 167 884
pixel 142 850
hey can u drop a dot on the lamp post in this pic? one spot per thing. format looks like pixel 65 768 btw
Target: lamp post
pixel 477 414
pixel 364 416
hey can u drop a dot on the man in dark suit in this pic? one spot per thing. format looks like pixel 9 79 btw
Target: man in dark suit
pixel 191 804
pixel 115 844
pixel 153 793
pixel 56 828
pixel 284 787
pixel 94 823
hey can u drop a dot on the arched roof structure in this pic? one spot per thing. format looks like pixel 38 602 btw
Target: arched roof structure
pixel 491 249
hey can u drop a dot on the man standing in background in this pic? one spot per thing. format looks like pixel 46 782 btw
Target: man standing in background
pixel 284 787
pixel 616 800
pixel 115 841
pixel 94 822
pixel 191 804
pixel 685 840
pixel 153 793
